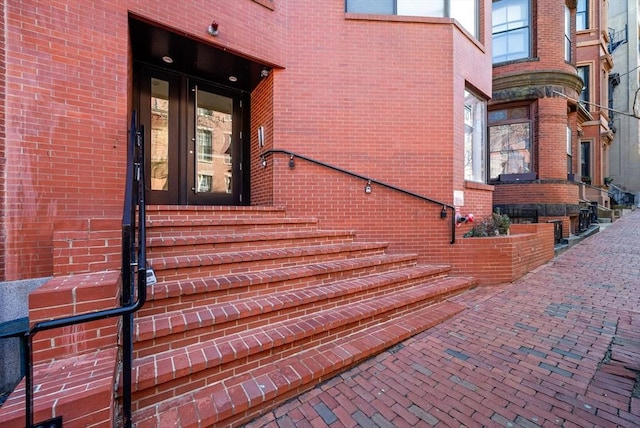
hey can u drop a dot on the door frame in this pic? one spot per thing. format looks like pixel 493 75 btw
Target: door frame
pixel 182 130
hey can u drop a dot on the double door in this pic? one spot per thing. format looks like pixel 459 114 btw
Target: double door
pixel 193 140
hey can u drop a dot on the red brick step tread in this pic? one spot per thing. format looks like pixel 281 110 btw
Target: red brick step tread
pixel 187 287
pixel 238 400
pixel 170 244
pixel 167 366
pixel 273 257
pixel 176 222
pixel 165 324
pixel 179 239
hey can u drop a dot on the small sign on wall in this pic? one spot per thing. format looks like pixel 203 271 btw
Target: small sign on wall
pixel 458 198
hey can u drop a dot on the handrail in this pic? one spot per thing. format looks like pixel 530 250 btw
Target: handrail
pixel 134 198
pixel 370 180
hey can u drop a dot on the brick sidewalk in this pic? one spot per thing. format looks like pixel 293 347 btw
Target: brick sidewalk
pixel 559 347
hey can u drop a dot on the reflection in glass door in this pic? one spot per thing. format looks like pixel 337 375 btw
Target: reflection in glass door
pixel 214 139
pixel 159 135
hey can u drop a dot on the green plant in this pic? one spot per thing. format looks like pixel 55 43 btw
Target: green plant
pixel 493 225
pixel 608 180
pixel 586 179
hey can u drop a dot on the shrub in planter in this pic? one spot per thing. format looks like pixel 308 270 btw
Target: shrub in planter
pixel 493 225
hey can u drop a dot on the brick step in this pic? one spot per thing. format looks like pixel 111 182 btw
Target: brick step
pixel 171 330
pixel 77 388
pixel 167 374
pixel 169 244
pixel 221 211
pixel 203 265
pixel 190 293
pixel 185 225
pixel 234 400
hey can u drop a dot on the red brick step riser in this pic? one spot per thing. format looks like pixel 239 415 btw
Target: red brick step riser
pixel 213 264
pixel 208 363
pixel 205 226
pixel 182 328
pixel 217 211
pixel 268 386
pixel 204 244
pixel 178 295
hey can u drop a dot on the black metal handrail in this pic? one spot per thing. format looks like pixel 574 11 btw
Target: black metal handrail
pixel 134 201
pixel 369 180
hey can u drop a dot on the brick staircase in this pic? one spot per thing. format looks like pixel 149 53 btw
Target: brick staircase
pixel 252 307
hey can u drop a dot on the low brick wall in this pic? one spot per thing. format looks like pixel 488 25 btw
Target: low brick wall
pixel 73 295
pixel 503 259
pixel 87 245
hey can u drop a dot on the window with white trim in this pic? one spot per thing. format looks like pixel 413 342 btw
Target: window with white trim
pixel 582 15
pixel 475 141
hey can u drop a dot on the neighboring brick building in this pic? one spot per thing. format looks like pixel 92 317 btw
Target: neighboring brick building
pixel 594 64
pixel 533 114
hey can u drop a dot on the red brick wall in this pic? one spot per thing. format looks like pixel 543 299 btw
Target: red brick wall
pixel 503 259
pixel 380 96
pixel 536 193
pixel 73 295
pixel 262 116
pixel 3 156
pixel 68 92
pixel 392 112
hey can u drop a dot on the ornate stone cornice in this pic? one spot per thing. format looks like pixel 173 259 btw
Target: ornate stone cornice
pixel 536 84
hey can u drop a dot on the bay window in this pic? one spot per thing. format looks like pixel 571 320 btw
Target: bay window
pixel 510 150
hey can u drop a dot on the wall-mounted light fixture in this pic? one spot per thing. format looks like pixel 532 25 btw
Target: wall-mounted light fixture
pixel 367 187
pixel 213 29
pixel 261 136
pixel 443 212
pixel 264 73
pixel 264 161
pixel 292 163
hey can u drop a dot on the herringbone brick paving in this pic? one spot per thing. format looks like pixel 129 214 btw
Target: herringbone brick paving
pixel 559 347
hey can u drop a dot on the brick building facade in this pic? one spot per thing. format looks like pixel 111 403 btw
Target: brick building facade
pixel 363 91
pixel 533 114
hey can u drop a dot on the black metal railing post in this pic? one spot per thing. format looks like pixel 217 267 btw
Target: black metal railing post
pixel 368 180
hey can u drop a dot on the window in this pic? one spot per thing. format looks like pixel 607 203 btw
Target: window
pixel 511 37
pixel 205 148
pixel 585 159
pixel 205 183
pixel 583 72
pixel 582 15
pixel 464 11
pixel 474 137
pixel 569 152
pixel 510 142
pixel 567 34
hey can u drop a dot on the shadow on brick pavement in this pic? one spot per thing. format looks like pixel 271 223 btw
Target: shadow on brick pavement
pixel 558 347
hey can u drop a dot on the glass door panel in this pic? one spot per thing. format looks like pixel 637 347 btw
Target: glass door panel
pixel 214 139
pixel 159 135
